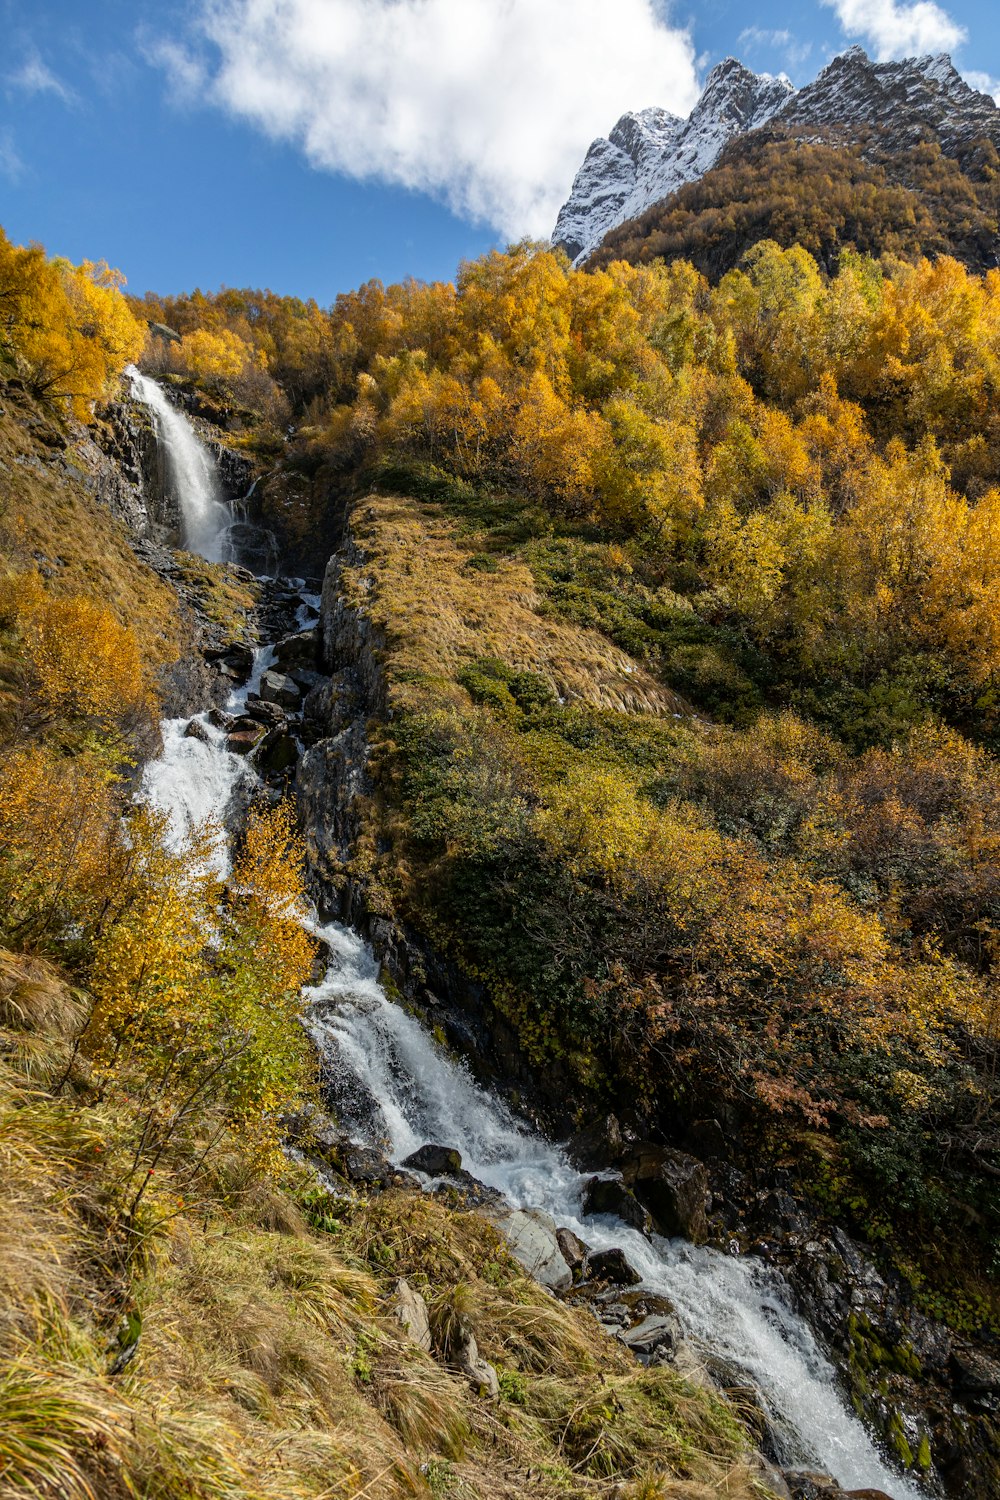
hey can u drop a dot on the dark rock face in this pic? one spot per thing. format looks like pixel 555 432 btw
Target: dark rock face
pixel 608 1194
pixel 610 1266
pixel 299 650
pixel 673 1187
pixel 436 1161
pixel 574 1250
pixel 599 1144
pixel 275 687
pixel 655 1340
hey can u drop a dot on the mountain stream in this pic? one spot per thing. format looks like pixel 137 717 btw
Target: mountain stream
pixel 397 1090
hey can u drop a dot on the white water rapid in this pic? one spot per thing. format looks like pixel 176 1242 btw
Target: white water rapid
pixel 396 1089
pixel 205 517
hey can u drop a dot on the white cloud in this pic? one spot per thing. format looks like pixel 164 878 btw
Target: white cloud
pixel 487 104
pixel 984 83
pixel 895 29
pixel 11 165
pixel 36 77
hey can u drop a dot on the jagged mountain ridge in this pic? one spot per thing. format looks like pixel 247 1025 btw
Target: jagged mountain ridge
pixel 651 154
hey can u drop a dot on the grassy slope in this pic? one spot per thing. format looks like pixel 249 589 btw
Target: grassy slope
pixel 269 1363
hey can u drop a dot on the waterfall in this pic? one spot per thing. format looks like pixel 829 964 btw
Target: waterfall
pixel 205 518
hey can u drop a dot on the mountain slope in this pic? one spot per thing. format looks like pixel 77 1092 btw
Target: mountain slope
pixel 883 114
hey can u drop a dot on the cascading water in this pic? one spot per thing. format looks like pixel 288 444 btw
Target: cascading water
pixel 396 1089
pixel 204 516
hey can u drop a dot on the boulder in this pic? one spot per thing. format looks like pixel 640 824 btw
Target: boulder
pixel 805 1484
pixel 611 1266
pixel 478 1371
pixel 411 1311
pixel 436 1161
pixel 305 679
pixel 242 741
pixel 531 1235
pixel 607 1193
pixel 264 713
pixel 235 660
pixel 654 1341
pixel 275 687
pixel 277 752
pixel 299 650
pixel 461 1187
pixel 673 1187
pixel 974 1374
pixel 598 1145
pixel 197 731
pixel 574 1250
pixel 369 1168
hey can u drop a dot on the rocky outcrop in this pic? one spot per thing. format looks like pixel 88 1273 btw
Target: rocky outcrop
pixel 673 1187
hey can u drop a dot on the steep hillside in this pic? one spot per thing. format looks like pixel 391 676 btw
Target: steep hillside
pixel 187 1310
pixel 829 194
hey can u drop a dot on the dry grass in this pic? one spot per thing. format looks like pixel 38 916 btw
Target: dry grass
pixel 269 1364
pixel 437 615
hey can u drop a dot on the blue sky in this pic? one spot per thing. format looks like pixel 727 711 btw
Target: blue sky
pixel 308 145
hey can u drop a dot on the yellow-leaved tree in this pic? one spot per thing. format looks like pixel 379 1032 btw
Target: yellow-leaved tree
pixel 67 329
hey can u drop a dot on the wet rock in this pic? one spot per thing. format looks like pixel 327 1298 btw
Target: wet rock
pixel 706 1138
pixel 277 752
pixel 654 1341
pixel 436 1161
pixel 264 713
pixel 242 741
pixel 972 1371
pixel 197 731
pixel 305 679
pixel 221 719
pixel 369 1168
pixel 598 1145
pixel 299 650
pixel 411 1311
pixel 235 659
pixel 608 1194
pixel 808 1485
pixel 275 687
pixel 468 1192
pixel 673 1187
pixel 531 1235
pixel 610 1266
pixel 574 1250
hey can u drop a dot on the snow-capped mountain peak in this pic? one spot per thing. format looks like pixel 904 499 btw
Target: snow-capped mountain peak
pixel 649 155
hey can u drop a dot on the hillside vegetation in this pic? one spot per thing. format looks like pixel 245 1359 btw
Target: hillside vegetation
pixel 826 194
pixel 777 495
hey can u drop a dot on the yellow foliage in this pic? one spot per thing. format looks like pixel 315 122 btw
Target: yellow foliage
pixel 69 326
pixel 78 664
